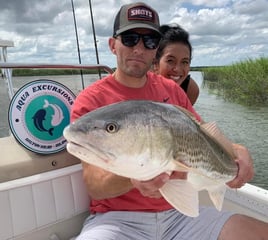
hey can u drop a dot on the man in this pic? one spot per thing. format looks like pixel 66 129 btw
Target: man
pixel 123 208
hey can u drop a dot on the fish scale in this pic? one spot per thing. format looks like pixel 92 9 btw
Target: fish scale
pixel 199 148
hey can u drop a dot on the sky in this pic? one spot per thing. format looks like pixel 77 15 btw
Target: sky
pixel 222 32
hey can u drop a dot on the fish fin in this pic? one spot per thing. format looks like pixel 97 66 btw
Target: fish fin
pixel 217 196
pixel 216 191
pixel 179 166
pixel 188 113
pixel 215 133
pixel 182 196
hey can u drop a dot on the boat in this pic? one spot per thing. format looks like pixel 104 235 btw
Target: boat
pixel 42 194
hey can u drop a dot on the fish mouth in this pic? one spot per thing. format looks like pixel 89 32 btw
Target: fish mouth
pixel 89 152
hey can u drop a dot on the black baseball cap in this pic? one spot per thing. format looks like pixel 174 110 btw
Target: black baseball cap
pixel 136 15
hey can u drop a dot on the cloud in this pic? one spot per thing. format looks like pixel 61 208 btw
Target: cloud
pixel 222 32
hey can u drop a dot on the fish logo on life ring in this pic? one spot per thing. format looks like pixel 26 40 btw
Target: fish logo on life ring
pixel 38 114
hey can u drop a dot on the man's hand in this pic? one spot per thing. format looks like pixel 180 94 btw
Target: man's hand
pixel 245 167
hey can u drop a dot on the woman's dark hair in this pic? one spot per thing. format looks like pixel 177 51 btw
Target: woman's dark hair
pixel 172 33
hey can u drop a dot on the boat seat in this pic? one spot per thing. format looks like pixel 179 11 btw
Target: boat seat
pixel 17 162
pixel 38 206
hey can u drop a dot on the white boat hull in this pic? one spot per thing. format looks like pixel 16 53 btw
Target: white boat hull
pixel 53 204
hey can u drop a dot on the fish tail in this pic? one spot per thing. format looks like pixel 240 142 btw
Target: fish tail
pixel 46 104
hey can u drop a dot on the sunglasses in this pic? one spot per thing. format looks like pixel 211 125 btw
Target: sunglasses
pixel 150 41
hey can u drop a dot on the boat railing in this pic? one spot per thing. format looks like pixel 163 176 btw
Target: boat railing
pixel 7 68
pixel 10 65
pixel 6 72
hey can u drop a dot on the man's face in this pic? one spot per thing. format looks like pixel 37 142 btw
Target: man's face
pixel 136 60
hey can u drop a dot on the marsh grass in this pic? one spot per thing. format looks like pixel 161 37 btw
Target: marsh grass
pixel 245 82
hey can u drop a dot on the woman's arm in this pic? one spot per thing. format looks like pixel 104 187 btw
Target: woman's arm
pixel 192 91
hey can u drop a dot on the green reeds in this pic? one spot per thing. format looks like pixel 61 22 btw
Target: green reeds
pixel 245 82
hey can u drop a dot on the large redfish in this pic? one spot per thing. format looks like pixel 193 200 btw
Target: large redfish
pixel 141 139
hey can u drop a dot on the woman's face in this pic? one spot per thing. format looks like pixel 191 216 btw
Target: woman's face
pixel 175 62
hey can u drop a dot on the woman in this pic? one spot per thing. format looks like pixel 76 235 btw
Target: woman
pixel 173 59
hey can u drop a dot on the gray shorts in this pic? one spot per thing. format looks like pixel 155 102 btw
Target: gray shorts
pixel 164 225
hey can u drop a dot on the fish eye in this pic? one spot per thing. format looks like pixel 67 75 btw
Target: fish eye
pixel 112 127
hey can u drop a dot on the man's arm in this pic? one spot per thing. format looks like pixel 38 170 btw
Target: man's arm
pixel 245 167
pixel 102 184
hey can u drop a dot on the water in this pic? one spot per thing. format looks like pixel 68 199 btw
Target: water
pixel 245 125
